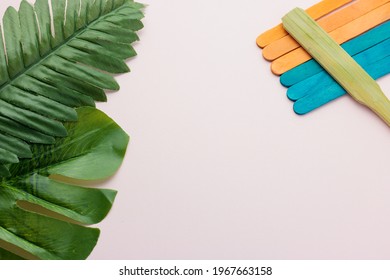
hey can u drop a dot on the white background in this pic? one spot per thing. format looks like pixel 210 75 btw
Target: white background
pixel 219 166
pixel 281 270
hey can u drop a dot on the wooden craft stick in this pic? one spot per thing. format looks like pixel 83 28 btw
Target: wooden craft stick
pixel 329 23
pixel 322 81
pixel 337 62
pixel 340 35
pixel 325 95
pixel 317 11
pixel 353 47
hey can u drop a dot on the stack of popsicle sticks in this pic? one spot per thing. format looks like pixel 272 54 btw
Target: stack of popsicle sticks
pixel 363 29
pixel 317 11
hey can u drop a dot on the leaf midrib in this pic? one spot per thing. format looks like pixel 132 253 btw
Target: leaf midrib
pixel 54 50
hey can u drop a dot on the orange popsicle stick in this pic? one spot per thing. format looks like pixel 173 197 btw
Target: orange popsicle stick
pixel 318 10
pixel 329 23
pixel 340 35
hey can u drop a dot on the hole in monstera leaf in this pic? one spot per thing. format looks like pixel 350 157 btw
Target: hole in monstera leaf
pixel 31 207
pixel 17 251
pixel 78 182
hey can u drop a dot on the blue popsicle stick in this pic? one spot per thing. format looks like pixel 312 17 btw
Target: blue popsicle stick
pixel 318 83
pixel 312 101
pixel 353 47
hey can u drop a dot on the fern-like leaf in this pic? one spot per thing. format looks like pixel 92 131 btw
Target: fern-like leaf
pixel 50 66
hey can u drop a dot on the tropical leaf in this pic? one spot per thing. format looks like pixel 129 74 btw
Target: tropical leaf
pixel 50 66
pixel 7 255
pixel 43 215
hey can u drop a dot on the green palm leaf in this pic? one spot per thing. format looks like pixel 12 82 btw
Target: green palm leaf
pixel 36 210
pixel 50 66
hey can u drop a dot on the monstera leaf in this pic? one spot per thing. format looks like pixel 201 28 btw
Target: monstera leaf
pixel 50 65
pixel 42 215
